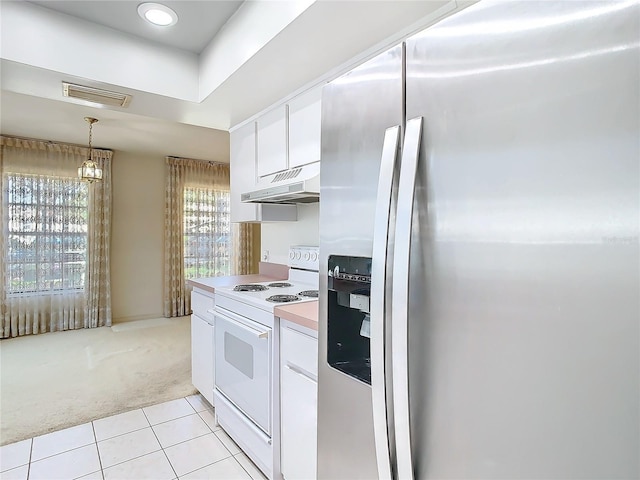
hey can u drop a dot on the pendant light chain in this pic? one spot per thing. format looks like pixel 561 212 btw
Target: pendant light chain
pixel 89 170
pixel 90 138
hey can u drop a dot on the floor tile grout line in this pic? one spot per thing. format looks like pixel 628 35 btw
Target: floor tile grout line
pixel 30 454
pixel 142 428
pixel 133 458
pixel 122 434
pixel 95 438
pixel 185 441
pixel 193 406
pixel 242 466
pixel 59 453
pixel 208 465
pixel 181 398
pixel 115 415
pixel 96 442
pixel 161 447
pixel 177 418
pixel 212 430
pixel 170 464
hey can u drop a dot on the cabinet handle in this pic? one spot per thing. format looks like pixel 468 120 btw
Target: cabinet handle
pixel 302 372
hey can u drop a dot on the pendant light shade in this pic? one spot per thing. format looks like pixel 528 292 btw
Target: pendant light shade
pixel 89 170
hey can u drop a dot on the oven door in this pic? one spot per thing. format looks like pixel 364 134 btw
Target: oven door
pixel 243 365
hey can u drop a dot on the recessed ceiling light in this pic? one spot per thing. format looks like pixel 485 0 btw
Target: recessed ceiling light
pixel 157 14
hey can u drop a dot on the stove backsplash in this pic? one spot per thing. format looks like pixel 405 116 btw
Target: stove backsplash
pixel 278 236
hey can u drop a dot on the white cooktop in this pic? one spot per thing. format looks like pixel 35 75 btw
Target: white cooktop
pixel 303 275
pixel 300 280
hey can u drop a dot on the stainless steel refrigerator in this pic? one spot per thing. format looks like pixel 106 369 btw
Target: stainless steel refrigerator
pixel 479 289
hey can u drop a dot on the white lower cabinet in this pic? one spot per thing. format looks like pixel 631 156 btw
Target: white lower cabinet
pixel 202 360
pixel 298 404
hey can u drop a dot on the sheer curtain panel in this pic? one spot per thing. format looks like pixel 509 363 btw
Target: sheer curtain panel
pixel 199 239
pixel 54 248
pixel 189 182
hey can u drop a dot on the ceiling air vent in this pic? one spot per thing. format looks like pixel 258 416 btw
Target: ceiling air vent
pixel 95 95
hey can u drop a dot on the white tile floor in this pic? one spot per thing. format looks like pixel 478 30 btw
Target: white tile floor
pixel 174 440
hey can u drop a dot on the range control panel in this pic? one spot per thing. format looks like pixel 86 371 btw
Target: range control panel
pixel 304 256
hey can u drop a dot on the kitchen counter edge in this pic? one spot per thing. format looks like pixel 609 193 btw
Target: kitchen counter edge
pixel 305 313
pixel 268 272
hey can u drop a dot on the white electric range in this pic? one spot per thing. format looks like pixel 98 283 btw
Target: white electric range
pixel 246 393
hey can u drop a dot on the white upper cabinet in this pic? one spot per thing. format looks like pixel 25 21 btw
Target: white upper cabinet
pixel 243 179
pixel 272 141
pixel 304 128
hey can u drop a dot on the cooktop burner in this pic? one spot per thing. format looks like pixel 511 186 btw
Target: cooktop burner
pixel 282 298
pixel 309 293
pixel 249 288
pixel 280 284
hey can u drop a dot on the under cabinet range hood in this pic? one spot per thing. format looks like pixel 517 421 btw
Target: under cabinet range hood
pixel 297 185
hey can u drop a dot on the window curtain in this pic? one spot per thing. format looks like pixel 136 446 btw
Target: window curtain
pixel 53 311
pixel 246 248
pixel 98 278
pixel 183 174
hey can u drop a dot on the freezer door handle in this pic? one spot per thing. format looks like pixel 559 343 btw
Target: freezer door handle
pixel 378 299
pixel 400 297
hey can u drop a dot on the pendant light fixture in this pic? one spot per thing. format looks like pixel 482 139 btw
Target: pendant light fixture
pixel 89 170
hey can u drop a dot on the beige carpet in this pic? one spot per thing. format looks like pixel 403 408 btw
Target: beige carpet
pixel 58 380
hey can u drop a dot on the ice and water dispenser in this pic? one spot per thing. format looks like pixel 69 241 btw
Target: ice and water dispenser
pixel 348 321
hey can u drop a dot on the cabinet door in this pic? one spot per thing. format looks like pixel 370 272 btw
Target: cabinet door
pixel 304 128
pixel 243 179
pixel 242 144
pixel 272 141
pixel 299 405
pixel 202 356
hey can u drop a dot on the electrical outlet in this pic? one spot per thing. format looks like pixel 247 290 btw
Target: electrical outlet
pixel 265 255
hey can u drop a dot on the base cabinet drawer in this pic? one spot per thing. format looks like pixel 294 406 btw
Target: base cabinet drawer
pixel 200 303
pixel 300 350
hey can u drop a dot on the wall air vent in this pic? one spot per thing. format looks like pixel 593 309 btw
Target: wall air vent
pixel 95 95
pixel 286 175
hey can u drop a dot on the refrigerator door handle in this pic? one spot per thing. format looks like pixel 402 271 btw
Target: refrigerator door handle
pixel 378 301
pixel 400 297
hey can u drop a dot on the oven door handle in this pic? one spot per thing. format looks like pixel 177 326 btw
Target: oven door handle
pixel 264 334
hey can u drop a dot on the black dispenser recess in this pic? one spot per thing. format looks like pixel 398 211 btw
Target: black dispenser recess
pixel 349 289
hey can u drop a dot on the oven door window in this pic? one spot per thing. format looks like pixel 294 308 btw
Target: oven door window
pixel 243 366
pixel 239 354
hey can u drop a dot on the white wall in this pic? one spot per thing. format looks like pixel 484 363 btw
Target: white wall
pixel 277 237
pixel 37 36
pixel 252 27
pixel 137 239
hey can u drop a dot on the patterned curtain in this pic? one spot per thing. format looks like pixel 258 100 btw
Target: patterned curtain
pixel 246 248
pixel 199 238
pixel 187 180
pixel 55 239
pixel 98 306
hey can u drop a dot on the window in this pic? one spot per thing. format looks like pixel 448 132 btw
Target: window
pixel 47 234
pixel 207 233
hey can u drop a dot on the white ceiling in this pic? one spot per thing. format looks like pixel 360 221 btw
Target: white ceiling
pixel 324 38
pixel 198 21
